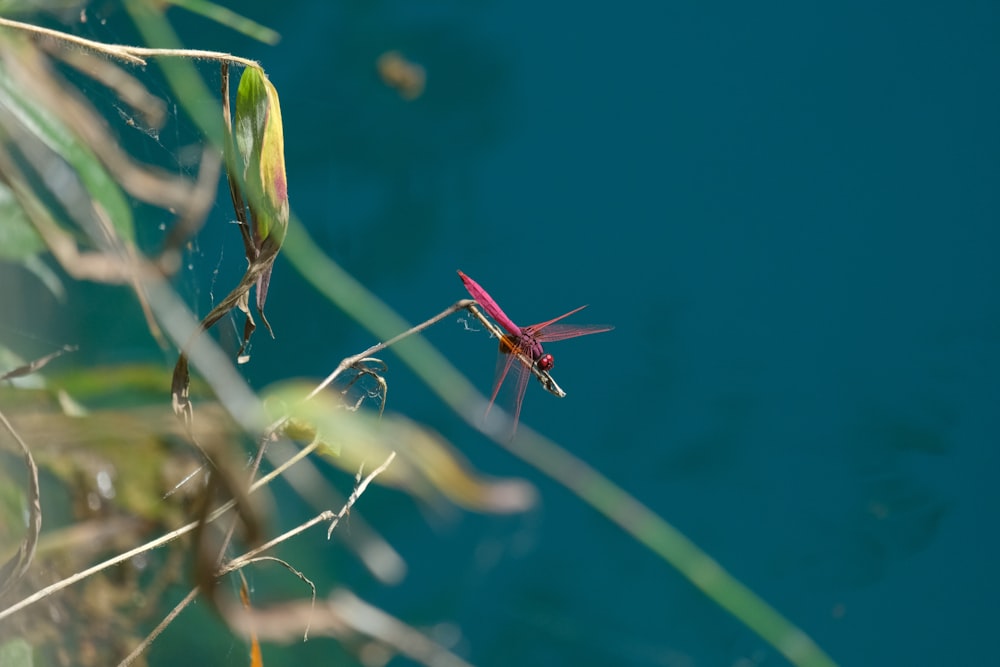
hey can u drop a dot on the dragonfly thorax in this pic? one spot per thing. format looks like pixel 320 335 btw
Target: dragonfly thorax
pixel 526 345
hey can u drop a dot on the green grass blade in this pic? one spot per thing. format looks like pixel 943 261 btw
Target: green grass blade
pixel 47 128
pixel 229 18
pixel 587 483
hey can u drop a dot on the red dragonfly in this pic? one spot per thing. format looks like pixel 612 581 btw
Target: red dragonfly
pixel 526 341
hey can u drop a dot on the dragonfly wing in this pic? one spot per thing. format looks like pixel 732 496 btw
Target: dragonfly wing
pixel 509 365
pixel 535 328
pixel 564 331
pixel 521 375
pixel 505 362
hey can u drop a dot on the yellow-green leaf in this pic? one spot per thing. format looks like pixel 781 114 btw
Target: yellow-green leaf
pixel 261 143
pixel 426 465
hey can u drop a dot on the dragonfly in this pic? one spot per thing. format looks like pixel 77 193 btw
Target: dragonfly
pixel 524 342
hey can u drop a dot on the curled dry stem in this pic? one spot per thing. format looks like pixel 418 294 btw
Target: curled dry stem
pixel 12 571
pixel 180 385
pixel 373 368
pixel 17 565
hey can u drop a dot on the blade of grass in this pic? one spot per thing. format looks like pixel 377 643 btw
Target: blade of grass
pixel 48 129
pixel 588 484
pixel 229 18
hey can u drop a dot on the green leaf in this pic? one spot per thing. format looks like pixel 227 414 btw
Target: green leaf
pixel 261 143
pixel 50 130
pixel 45 275
pixel 16 653
pixel 21 243
pixel 18 238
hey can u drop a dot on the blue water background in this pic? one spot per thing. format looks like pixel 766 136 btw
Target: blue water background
pixel 790 213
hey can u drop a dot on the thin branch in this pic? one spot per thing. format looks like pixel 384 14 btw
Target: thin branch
pixel 375 349
pixel 130 54
pixel 465 304
pixel 328 515
pixel 375 553
pixel 358 490
pixel 160 627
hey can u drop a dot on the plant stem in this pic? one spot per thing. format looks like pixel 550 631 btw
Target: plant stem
pixel 580 478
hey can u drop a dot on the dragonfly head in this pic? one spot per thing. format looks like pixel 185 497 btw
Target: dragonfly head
pixel 545 362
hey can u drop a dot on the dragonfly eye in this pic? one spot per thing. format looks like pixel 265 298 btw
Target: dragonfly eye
pixel 545 362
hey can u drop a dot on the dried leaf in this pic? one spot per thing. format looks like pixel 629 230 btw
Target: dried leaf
pixel 14 568
pixel 35 365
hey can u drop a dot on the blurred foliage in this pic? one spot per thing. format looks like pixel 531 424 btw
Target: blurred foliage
pixel 427 466
pixel 111 479
pixel 117 467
